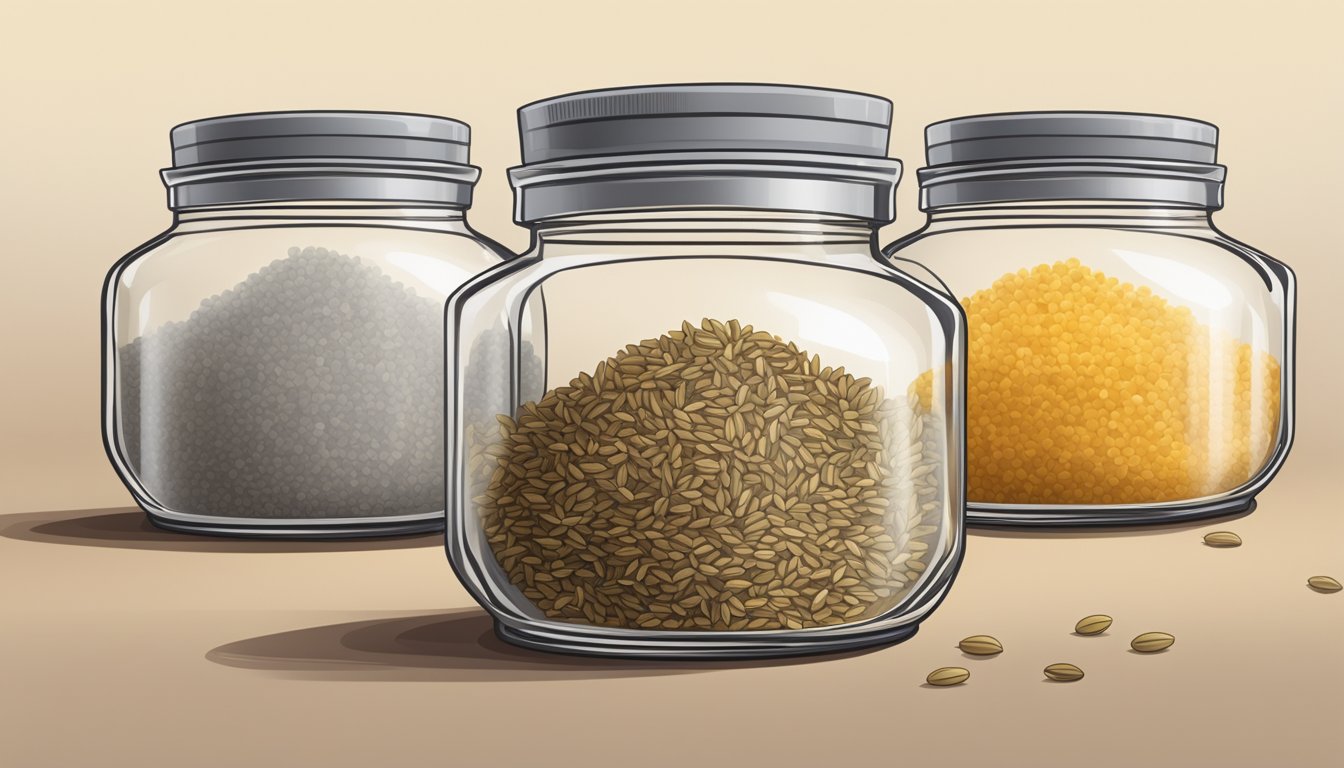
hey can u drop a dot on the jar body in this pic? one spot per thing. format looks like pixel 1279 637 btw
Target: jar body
pixel 275 371
pixel 1125 365
pixel 672 441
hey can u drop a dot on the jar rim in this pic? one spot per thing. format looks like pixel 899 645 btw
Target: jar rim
pixel 320 178
pixel 1072 178
pixel 833 184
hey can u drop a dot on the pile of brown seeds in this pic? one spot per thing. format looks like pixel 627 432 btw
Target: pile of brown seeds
pixel 714 478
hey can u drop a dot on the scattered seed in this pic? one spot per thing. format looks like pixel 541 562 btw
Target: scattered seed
pixel 714 478
pixel 981 645
pixel 1064 673
pixel 948 676
pixel 1152 642
pixel 1093 625
pixel 1222 539
pixel 1324 584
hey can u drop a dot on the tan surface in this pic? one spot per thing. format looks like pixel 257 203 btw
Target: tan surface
pixel 130 647
pixel 125 647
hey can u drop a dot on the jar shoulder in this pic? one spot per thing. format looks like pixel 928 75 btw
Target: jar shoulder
pixel 179 250
pixel 1276 270
pixel 722 262
pixel 1204 249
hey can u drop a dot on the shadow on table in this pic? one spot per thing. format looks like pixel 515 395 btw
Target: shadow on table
pixel 456 646
pixel 128 528
pixel 1104 531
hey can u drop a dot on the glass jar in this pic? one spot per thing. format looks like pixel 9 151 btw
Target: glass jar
pixel 728 428
pixel 272 363
pixel 1128 362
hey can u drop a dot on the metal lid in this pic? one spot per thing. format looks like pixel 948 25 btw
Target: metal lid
pixel 1029 156
pixel 321 155
pixel 662 147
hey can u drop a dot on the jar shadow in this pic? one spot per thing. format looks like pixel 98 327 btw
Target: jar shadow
pixel 1100 531
pixel 129 528
pixel 455 646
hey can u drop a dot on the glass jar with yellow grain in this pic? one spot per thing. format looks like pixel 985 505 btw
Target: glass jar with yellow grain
pixel 1127 361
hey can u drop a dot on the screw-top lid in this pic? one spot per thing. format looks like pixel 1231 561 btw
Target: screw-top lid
pixel 691 118
pixel 1029 135
pixel 320 155
pixel 773 147
pixel 1026 156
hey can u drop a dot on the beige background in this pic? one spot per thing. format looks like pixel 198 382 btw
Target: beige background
pixel 122 646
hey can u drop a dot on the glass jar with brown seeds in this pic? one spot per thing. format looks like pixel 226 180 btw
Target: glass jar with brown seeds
pixel 737 431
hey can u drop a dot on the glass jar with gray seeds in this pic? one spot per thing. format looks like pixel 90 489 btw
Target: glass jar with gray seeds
pixel 273 362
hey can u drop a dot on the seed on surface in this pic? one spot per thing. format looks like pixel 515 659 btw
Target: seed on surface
pixel 1093 625
pixel 1324 584
pixel 981 645
pixel 1222 539
pixel 755 489
pixel 1152 642
pixel 1064 673
pixel 948 676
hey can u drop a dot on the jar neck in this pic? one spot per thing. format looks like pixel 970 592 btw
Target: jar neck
pixel 636 230
pixel 1079 214
pixel 320 213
